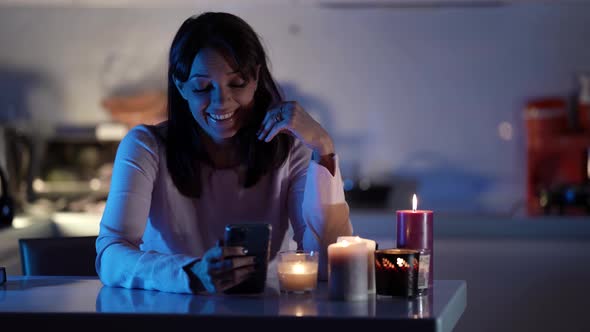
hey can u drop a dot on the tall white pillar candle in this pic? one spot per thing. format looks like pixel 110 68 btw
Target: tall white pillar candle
pixel 371 246
pixel 347 271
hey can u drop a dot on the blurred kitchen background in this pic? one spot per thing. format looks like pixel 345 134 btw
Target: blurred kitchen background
pixel 479 107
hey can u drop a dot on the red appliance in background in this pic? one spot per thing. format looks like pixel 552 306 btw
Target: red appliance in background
pixel 584 102
pixel 557 160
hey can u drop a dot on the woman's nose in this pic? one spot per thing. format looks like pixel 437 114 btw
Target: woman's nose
pixel 221 96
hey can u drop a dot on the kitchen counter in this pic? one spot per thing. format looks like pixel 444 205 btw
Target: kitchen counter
pixel 365 221
pixel 381 223
pixel 369 223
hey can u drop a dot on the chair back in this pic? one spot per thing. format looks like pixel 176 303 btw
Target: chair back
pixel 58 256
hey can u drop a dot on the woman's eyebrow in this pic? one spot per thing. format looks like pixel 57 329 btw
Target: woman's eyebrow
pixel 207 75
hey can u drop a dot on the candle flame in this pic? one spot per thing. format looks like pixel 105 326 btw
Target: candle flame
pixel 298 268
pixel 344 243
pixel 414 203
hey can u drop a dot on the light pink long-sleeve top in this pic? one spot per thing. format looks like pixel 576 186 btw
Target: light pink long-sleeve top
pixel 149 231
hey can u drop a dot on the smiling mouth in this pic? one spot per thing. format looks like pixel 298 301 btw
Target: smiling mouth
pixel 222 117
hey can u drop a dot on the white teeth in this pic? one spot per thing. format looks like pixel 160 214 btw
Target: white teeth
pixel 220 117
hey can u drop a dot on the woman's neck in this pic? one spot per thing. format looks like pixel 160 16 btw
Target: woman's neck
pixel 223 154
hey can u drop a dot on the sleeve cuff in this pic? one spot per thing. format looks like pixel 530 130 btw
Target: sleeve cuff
pixel 329 189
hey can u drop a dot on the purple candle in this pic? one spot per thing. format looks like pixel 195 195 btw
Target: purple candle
pixel 414 231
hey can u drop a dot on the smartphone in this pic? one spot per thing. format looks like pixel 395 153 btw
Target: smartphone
pixel 256 239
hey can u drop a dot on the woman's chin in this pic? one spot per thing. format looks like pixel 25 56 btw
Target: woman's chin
pixel 223 136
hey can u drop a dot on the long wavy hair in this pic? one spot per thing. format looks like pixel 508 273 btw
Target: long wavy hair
pixel 233 37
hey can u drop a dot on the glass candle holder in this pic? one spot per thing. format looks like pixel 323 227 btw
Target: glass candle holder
pixel 396 272
pixel 298 271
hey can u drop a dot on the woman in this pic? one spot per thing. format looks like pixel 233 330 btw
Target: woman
pixel 231 151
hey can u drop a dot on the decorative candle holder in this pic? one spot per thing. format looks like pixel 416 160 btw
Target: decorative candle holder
pixel 298 271
pixel 424 273
pixel 396 272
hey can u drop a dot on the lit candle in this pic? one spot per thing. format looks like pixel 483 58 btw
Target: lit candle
pixel 414 231
pixel 371 245
pixel 298 271
pixel 347 271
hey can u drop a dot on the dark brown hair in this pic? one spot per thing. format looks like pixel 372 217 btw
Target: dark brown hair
pixel 234 38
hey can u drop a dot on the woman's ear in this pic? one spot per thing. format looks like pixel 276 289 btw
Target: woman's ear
pixel 256 77
pixel 257 74
pixel 179 87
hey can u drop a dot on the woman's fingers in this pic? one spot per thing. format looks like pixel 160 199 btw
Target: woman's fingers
pixel 275 129
pixel 228 264
pixel 229 272
pixel 233 277
pixel 225 267
pixel 271 120
pixel 218 261
pixel 279 115
pixel 234 251
pixel 218 253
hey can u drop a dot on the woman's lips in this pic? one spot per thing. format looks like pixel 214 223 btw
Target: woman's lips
pixel 222 117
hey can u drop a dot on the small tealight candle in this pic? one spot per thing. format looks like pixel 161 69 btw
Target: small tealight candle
pixel 347 271
pixel 298 271
pixel 371 246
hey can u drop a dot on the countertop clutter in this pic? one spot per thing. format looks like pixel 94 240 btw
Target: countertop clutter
pixel 66 171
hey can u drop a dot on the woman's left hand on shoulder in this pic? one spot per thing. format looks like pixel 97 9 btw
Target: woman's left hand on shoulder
pixel 289 117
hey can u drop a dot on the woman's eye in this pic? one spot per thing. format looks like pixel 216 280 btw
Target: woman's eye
pixel 209 87
pixel 239 84
pixel 205 89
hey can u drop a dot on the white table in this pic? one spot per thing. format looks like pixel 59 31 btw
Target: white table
pixel 74 302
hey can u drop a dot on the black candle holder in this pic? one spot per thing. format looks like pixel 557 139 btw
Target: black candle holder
pixel 396 272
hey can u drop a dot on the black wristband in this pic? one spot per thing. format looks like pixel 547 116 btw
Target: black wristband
pixel 2 275
pixel 328 162
pixel 195 284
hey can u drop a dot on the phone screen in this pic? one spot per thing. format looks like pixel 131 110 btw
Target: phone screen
pixel 256 239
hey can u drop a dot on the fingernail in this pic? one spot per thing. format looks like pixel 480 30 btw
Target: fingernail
pixel 244 251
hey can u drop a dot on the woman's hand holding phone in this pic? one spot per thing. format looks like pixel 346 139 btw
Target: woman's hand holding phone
pixel 222 268
pixel 255 237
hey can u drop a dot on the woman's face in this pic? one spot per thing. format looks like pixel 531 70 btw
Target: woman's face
pixel 220 99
